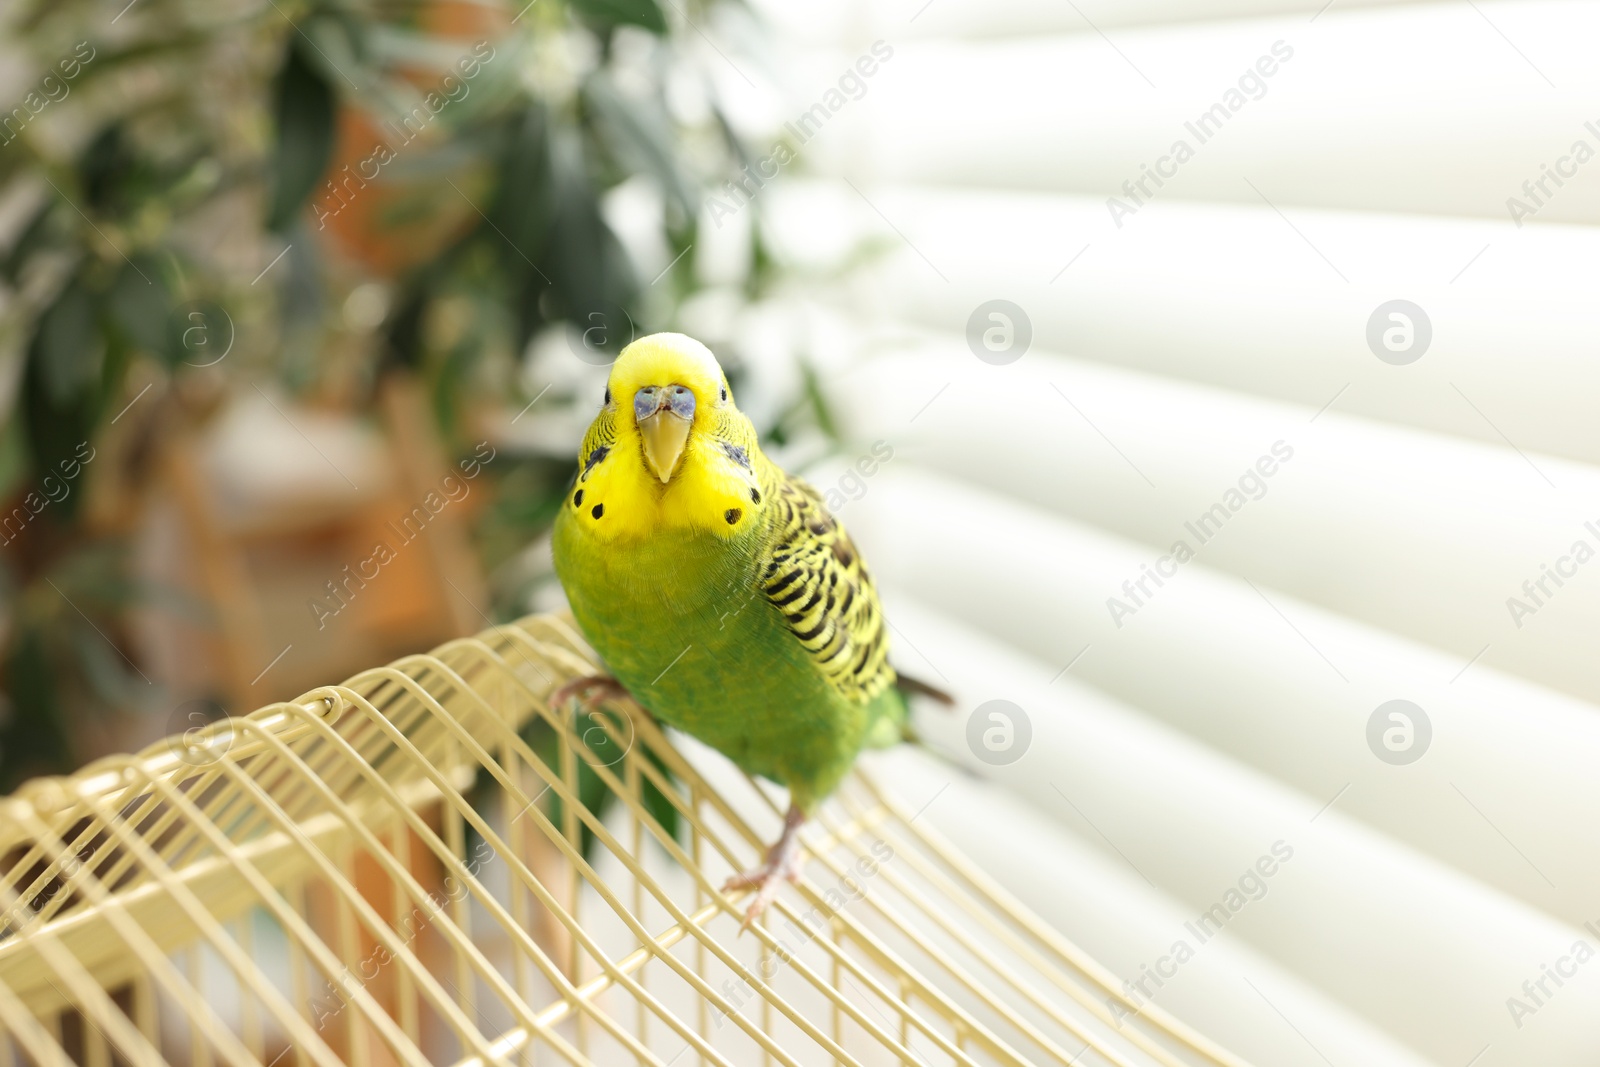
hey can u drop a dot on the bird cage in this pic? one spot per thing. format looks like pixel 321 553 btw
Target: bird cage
pixel 389 872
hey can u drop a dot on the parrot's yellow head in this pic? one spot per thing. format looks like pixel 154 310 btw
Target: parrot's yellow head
pixel 669 450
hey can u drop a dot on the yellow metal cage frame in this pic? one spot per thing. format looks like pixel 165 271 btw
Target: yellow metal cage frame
pixel 385 872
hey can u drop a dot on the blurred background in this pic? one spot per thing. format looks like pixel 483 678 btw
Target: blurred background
pixel 1210 384
pixel 305 309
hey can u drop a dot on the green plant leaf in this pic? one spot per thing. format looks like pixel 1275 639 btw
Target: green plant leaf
pixel 591 277
pixel 818 399
pixel 33 738
pixel 639 134
pixel 41 231
pixel 597 747
pixel 62 388
pixel 404 328
pixel 304 110
pixel 522 206
pixel 522 213
pixel 67 349
pixel 646 13
pixel 656 802
pixel 106 168
pixel 139 304
pixel 13 468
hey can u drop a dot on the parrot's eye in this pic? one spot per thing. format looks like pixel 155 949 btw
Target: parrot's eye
pixel 724 395
pixel 607 399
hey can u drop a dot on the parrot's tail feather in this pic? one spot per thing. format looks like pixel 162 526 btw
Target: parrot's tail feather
pixel 916 687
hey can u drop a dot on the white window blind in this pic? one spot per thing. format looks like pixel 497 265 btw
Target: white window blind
pixel 1430 912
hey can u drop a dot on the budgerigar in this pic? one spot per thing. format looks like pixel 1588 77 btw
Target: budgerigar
pixel 720 592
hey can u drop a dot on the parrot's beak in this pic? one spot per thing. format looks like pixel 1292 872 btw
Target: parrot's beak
pixel 664 415
pixel 664 435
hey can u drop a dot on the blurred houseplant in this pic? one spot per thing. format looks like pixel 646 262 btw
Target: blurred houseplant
pixel 197 193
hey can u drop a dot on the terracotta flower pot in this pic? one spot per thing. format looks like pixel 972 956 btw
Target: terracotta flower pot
pixel 387 201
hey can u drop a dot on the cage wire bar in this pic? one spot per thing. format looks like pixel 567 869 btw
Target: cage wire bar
pixel 389 872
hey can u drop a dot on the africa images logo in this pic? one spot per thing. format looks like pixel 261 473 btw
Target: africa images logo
pixel 851 85
pixel 1251 85
pixel 1251 485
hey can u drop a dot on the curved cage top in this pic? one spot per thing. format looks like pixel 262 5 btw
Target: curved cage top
pixel 430 865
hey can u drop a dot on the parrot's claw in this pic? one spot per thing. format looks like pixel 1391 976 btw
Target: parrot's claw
pixel 783 864
pixel 770 882
pixel 589 691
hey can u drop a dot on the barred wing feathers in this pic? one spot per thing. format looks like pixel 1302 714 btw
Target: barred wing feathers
pixel 814 576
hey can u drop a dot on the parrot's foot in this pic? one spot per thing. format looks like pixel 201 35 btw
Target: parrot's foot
pixel 783 864
pixel 590 691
